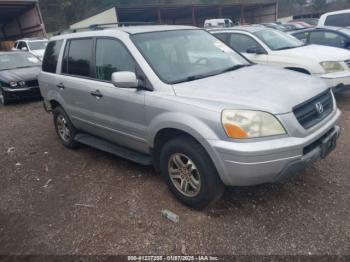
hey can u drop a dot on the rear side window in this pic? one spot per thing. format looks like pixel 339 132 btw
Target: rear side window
pixel 341 20
pixel 78 57
pixel 51 56
pixel 112 56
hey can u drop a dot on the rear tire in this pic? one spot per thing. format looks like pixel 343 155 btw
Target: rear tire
pixel 190 173
pixel 64 128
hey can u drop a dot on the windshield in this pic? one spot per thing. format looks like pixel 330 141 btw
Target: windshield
pixel 17 60
pixel 37 45
pixel 277 40
pixel 186 55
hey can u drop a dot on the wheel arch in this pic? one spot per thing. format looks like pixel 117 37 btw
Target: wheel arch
pixel 298 69
pixel 181 125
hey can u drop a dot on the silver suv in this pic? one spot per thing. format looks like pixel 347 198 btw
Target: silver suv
pixel 180 99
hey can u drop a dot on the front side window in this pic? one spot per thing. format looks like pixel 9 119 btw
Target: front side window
pixel 327 38
pixel 51 56
pixel 186 55
pixel 242 42
pixel 77 57
pixel 277 40
pixel 20 45
pixel 112 56
pixel 303 36
pixel 18 60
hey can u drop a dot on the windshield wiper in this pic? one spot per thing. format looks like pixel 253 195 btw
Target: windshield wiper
pixel 190 78
pixel 290 47
pixel 197 77
pixel 285 48
pixel 233 68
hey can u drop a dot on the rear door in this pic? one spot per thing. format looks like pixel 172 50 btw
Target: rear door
pixel 75 82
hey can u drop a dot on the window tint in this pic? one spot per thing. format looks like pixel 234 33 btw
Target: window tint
pixel 327 38
pixel 112 56
pixel 51 56
pixel 222 37
pixel 341 20
pixel 304 36
pixel 77 57
pixel 20 45
pixel 242 42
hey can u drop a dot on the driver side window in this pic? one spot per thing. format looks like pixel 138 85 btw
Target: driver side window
pixel 112 56
pixel 242 43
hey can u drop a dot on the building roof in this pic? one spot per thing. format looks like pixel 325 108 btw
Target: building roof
pixel 12 8
pixel 146 3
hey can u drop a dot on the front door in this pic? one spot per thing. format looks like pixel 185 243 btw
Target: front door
pixel 119 112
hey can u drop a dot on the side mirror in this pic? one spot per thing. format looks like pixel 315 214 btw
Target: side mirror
pixel 24 48
pixel 255 50
pixel 125 79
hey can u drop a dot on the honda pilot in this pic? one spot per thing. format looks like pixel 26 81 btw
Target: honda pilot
pixel 180 99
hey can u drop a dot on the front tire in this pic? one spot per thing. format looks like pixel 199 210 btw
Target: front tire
pixel 190 173
pixel 64 128
pixel 3 99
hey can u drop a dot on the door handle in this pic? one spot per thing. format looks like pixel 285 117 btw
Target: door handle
pixel 61 86
pixel 96 94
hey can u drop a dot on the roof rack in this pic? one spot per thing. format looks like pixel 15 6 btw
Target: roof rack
pixel 95 27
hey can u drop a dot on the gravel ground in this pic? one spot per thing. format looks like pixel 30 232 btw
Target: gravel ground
pixel 57 201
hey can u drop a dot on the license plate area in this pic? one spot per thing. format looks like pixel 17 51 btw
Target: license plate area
pixel 328 144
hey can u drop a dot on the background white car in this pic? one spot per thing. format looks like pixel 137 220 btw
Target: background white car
pixel 35 46
pixel 338 18
pixel 269 46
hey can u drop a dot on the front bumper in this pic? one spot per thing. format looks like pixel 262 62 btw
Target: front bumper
pixel 247 164
pixel 21 93
pixel 339 81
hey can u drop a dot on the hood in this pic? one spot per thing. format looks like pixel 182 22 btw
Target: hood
pixel 20 74
pixel 257 87
pixel 316 52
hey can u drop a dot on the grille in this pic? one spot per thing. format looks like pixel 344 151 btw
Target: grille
pixel 347 62
pixel 32 83
pixel 307 113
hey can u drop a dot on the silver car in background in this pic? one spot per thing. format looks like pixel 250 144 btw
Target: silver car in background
pixel 180 99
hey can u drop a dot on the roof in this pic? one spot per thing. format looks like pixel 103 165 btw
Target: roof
pixel 127 29
pixel 250 29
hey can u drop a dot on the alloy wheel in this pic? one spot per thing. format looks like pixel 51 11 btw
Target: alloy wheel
pixel 184 175
pixel 63 129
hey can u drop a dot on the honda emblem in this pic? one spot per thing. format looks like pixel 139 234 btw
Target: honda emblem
pixel 319 108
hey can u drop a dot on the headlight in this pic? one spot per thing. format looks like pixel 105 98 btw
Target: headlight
pixel 331 67
pixel 13 84
pixel 243 124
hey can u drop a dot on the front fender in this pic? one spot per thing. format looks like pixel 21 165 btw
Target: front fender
pixel 183 122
